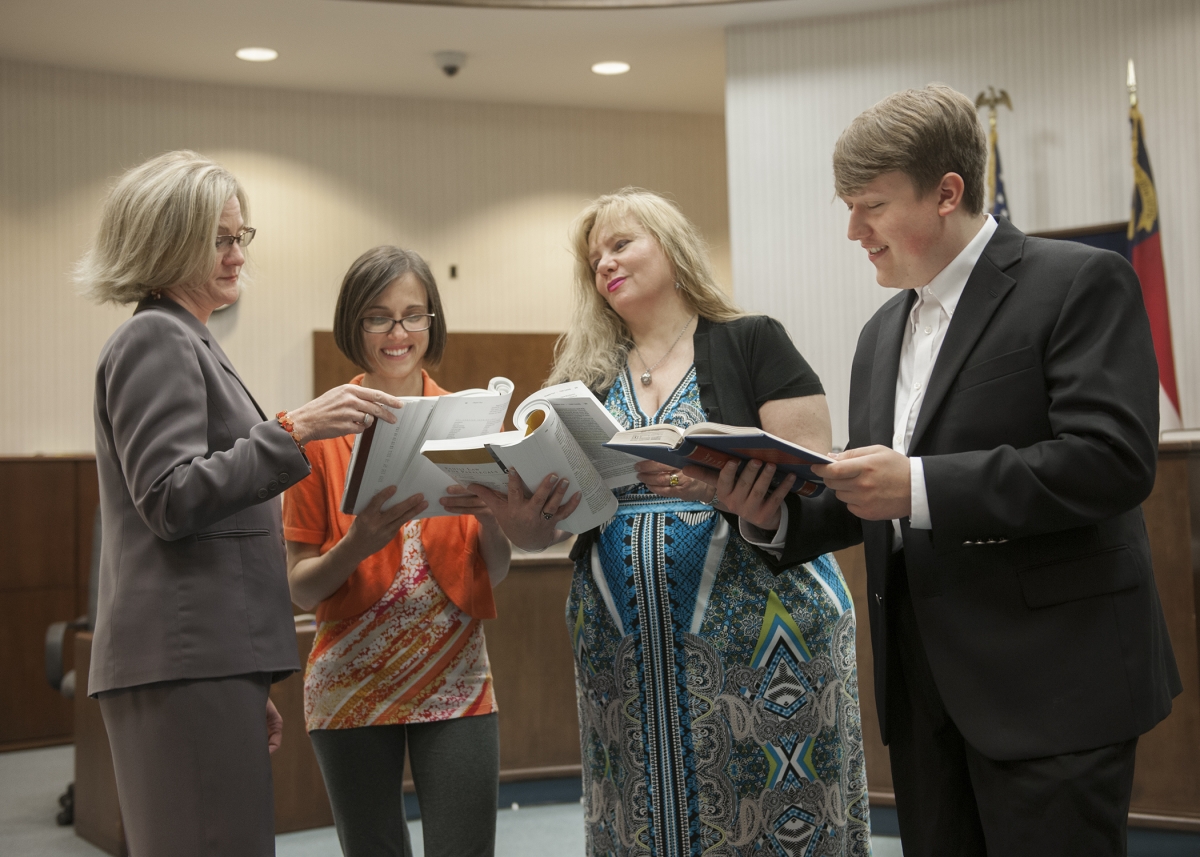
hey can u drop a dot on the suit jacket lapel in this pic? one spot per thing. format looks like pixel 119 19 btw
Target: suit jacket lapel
pixel 216 349
pixel 984 292
pixel 201 330
pixel 893 317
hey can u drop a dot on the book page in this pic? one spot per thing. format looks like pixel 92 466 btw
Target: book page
pixel 468 461
pixel 394 450
pixel 591 425
pixel 551 448
pixel 471 412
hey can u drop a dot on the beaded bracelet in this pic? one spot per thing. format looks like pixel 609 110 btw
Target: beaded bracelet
pixel 289 427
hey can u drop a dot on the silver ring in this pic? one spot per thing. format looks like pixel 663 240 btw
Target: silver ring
pixel 547 515
pixel 366 420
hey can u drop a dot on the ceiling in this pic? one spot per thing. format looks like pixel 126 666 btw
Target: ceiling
pixel 529 56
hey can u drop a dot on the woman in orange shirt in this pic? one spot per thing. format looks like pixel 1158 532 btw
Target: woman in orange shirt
pixel 399 657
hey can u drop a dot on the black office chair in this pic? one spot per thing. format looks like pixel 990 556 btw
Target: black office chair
pixel 56 642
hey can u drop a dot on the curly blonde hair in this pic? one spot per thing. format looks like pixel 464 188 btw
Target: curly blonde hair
pixel 594 348
pixel 158 228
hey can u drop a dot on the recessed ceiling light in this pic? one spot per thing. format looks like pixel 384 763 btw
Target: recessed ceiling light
pixel 257 54
pixel 610 67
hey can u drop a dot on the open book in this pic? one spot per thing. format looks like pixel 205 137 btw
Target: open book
pixel 561 429
pixel 389 453
pixel 713 445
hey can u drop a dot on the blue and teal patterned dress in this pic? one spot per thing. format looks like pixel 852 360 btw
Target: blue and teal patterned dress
pixel 718 701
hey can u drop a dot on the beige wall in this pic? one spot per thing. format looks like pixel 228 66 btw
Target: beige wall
pixel 488 188
pixel 791 90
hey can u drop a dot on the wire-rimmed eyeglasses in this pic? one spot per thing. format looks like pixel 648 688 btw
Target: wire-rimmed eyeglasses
pixel 384 324
pixel 243 239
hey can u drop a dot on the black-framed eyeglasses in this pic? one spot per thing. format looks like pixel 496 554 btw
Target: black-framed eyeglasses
pixel 243 239
pixel 384 324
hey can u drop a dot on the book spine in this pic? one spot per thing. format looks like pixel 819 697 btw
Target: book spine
pixel 716 459
pixel 706 456
pixel 354 482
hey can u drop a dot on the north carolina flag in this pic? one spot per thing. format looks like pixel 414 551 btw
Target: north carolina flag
pixel 1145 251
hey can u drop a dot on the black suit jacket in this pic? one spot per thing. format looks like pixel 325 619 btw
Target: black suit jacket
pixel 1034 591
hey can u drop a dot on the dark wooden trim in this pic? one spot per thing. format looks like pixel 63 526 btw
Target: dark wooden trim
pixel 1083 231
pixel 36 743
pixel 554 772
pixel 1165 822
pixel 1136 819
pixel 73 456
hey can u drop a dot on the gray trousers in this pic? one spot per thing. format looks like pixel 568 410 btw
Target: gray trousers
pixel 192 766
pixel 455 766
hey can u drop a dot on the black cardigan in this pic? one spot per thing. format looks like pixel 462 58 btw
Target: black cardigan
pixel 740 365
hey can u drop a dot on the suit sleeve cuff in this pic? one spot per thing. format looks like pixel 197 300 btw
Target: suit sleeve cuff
pixel 918 518
pixel 771 543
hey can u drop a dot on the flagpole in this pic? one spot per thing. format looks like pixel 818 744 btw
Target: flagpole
pixel 991 100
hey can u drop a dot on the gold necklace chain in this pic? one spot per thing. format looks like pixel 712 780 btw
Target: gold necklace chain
pixel 646 377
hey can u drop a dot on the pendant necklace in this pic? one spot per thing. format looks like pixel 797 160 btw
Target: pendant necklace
pixel 647 379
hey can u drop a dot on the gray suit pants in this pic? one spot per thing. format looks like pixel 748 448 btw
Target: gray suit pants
pixel 193 770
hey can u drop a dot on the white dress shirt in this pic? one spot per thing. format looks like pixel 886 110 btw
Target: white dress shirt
pixel 928 321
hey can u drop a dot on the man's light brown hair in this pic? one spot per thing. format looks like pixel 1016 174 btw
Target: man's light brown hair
pixel 923 133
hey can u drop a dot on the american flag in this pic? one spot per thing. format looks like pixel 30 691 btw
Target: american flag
pixel 1000 198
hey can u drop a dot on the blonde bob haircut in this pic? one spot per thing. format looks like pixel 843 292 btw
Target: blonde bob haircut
pixel 594 348
pixel 158 228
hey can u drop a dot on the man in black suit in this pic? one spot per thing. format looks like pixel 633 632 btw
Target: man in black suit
pixel 1003 432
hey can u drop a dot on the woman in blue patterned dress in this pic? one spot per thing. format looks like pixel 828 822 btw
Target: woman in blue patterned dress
pixel 718 700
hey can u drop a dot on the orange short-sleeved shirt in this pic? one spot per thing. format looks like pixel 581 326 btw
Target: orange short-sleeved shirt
pixel 403 654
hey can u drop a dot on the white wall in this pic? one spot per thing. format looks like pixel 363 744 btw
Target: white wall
pixel 488 188
pixel 792 88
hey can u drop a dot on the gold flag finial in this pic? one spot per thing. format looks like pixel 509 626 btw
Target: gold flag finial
pixel 1131 84
pixel 991 100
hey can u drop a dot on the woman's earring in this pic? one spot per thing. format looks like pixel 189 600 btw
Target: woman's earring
pixel 677 286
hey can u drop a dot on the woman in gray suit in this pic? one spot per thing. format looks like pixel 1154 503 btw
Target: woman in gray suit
pixel 194 619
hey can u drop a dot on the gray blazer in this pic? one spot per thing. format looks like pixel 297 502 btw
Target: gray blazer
pixel 193 577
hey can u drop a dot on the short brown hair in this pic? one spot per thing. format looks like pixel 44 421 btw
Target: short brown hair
pixel 923 133
pixel 368 277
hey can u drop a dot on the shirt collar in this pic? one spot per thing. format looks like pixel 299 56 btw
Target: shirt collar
pixel 947 287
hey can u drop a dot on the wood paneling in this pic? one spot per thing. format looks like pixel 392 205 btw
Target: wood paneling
pixel 530 652
pixel 97 807
pixel 87 500
pixel 29 709
pixel 879 766
pixel 470 360
pixel 40 503
pixel 37 523
pixel 1167 779
pixel 301 801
